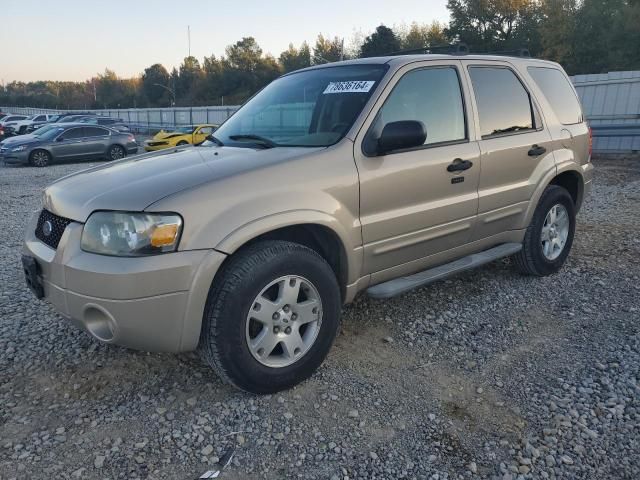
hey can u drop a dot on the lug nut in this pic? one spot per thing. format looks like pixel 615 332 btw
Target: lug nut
pixel 276 329
pixel 287 330
pixel 286 308
pixel 294 316
pixel 276 316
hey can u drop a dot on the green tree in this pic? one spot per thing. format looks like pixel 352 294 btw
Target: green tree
pixel 326 50
pixel 295 59
pixel 494 24
pixel 381 42
pixel 189 81
pixel 153 76
pixel 424 35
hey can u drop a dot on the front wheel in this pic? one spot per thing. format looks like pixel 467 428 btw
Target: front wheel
pixel 271 317
pixel 549 237
pixel 40 158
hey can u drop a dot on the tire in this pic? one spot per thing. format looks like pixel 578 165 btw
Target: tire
pixel 40 158
pixel 116 152
pixel 539 255
pixel 229 327
pixel 181 143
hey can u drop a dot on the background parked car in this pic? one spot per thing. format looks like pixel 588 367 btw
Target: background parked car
pixel 115 123
pixel 8 119
pixel 73 141
pixel 193 134
pixel 21 126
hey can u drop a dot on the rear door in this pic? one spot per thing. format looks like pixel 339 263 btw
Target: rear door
pixel 411 206
pixel 97 140
pixel 516 148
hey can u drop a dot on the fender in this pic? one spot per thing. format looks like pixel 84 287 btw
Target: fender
pixel 250 230
pixel 545 180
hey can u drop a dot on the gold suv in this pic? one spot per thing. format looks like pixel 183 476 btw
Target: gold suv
pixel 379 174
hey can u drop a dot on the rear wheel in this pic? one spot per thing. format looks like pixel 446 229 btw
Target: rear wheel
pixel 116 152
pixel 40 158
pixel 271 316
pixel 549 237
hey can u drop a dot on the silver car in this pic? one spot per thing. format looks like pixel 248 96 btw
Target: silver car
pixel 69 141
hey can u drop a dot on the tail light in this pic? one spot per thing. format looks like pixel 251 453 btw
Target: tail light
pixel 590 143
pixel 133 139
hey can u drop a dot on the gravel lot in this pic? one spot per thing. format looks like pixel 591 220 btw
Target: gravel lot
pixel 487 375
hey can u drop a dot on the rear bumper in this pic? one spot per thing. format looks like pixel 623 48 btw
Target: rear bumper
pixel 151 303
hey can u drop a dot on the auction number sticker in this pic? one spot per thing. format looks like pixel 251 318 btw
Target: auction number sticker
pixel 354 86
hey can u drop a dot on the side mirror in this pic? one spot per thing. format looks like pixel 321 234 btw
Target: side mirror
pixel 400 135
pixel 60 139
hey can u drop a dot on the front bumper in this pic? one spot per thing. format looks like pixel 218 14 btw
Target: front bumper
pixel 15 157
pixel 150 303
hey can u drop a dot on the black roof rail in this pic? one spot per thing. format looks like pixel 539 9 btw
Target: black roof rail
pixel 452 49
pixel 462 48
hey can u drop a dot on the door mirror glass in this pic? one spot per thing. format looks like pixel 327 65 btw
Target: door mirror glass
pixel 400 135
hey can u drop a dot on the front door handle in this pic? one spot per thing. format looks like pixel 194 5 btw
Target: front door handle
pixel 459 165
pixel 536 151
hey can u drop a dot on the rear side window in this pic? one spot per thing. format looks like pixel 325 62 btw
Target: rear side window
pixel 504 106
pixel 95 132
pixel 431 96
pixel 73 133
pixel 559 93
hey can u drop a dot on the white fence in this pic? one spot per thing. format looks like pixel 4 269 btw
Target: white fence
pixel 150 119
pixel 611 102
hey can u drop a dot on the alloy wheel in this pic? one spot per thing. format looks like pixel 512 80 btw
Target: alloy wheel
pixel 284 321
pixel 555 232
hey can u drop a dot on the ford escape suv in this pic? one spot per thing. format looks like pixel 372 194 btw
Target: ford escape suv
pixel 379 174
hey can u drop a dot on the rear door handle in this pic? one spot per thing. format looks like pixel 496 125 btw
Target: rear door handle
pixel 459 165
pixel 536 151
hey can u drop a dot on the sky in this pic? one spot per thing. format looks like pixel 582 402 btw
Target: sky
pixel 75 40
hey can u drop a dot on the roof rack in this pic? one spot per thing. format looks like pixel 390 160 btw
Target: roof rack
pixel 462 48
pixel 459 48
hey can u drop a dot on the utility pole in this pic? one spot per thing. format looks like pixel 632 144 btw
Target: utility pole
pixel 189 38
pixel 342 50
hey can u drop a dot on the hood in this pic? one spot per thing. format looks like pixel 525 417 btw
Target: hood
pixel 134 184
pixel 20 139
pixel 162 135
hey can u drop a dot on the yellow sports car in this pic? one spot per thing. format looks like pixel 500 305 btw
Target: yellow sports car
pixel 194 135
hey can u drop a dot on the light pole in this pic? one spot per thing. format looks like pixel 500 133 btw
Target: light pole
pixel 171 91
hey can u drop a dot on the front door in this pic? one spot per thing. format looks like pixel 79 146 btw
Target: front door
pixel 517 150
pixel 411 205
pixel 70 144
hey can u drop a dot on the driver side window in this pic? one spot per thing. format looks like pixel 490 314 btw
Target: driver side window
pixel 430 95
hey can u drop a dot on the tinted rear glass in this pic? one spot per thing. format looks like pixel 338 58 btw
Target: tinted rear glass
pixel 504 105
pixel 559 93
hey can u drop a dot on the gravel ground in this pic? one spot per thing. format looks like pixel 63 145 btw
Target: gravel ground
pixel 487 375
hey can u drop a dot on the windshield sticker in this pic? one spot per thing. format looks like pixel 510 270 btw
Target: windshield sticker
pixel 355 86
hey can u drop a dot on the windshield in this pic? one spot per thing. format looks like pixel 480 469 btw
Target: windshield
pixel 44 129
pixel 50 133
pixel 313 108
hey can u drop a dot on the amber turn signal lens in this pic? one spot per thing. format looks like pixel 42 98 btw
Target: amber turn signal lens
pixel 164 235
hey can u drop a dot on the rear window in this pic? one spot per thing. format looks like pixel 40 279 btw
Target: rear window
pixel 559 93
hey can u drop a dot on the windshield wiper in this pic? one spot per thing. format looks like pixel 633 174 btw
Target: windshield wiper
pixel 215 140
pixel 267 143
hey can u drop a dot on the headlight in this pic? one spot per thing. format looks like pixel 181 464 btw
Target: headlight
pixel 131 234
pixel 19 149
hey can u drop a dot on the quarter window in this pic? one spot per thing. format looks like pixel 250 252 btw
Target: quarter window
pixel 559 94
pixel 504 106
pixel 73 134
pixel 95 132
pixel 429 95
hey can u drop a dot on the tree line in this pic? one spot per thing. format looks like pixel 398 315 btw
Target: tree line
pixel 585 36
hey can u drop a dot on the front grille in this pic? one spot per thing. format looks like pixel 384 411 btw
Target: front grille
pixel 58 224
